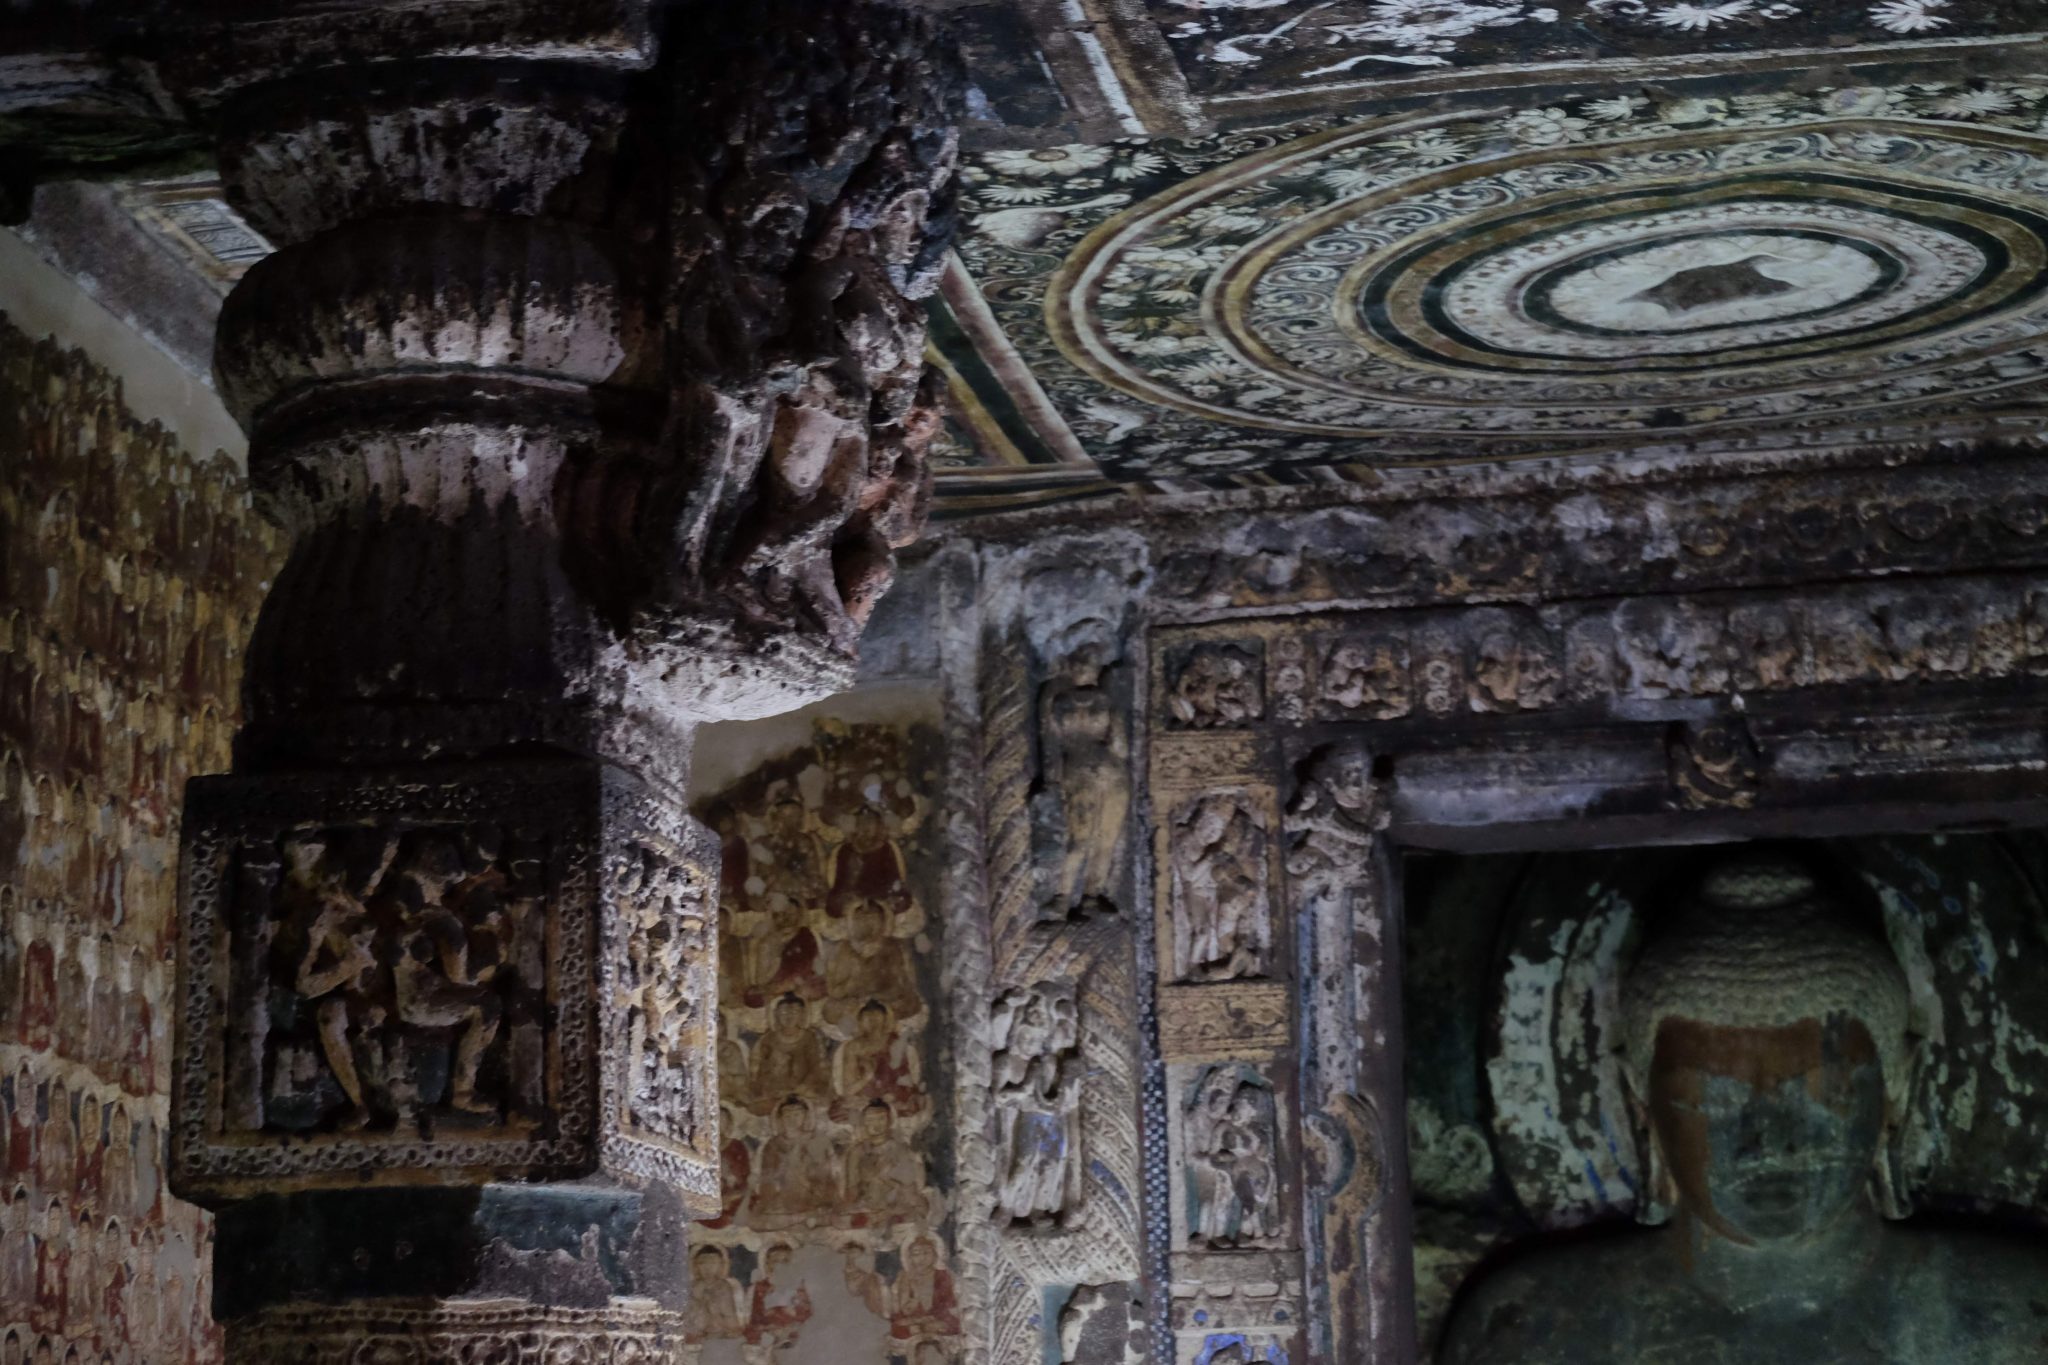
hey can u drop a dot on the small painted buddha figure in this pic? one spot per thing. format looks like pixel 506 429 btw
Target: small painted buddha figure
pixel 1769 1057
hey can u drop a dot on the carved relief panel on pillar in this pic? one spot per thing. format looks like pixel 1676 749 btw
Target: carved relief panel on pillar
pixel 488 973
pixel 1227 1013
pixel 1036 1074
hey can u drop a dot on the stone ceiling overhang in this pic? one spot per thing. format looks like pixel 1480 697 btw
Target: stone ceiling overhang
pixel 1315 244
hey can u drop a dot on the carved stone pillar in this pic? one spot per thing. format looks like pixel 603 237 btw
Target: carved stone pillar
pixel 1279 1013
pixel 590 390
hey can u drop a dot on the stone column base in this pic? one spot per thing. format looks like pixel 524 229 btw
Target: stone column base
pixel 456 1332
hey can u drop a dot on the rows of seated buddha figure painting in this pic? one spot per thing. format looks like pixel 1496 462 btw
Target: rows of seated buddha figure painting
pixel 1769 1056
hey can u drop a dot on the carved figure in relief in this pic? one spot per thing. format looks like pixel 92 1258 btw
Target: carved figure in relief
pixel 1218 685
pixel 1770 1063
pixel 1221 914
pixel 406 955
pixel 1513 669
pixel 1083 791
pixel 666 1031
pixel 1230 1130
pixel 789 1059
pixel 1035 1083
pixel 1369 676
pixel 446 965
pixel 870 965
pixel 337 970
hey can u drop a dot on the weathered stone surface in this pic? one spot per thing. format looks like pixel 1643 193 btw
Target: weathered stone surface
pixel 800 251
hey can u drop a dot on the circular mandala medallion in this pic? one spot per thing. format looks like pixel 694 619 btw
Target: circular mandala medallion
pixel 1538 282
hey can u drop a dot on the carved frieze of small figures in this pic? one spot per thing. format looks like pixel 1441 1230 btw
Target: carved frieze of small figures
pixel 1215 684
pixel 1081 800
pixel 1230 1159
pixel 1035 1084
pixel 1220 915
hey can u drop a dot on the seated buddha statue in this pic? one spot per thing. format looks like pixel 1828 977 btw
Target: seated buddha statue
pixel 1769 1060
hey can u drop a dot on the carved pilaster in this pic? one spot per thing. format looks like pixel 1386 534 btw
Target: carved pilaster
pixel 590 390
pixel 1227 1015
pixel 1050 966
pixel 1346 909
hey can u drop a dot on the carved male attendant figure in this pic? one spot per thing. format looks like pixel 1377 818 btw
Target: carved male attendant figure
pixel 1767 1038
pixel 1084 786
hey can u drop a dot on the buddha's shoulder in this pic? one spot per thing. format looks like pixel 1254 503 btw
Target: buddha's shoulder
pixel 1974 1261
pixel 1990 1290
pixel 1532 1308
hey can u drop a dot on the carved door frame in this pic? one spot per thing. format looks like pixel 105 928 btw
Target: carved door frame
pixel 1533 729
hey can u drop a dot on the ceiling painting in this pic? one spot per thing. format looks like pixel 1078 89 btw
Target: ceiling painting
pixel 1232 47
pixel 1251 242
pixel 1599 275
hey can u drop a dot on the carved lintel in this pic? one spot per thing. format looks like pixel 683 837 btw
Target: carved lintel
pixel 492 972
pixel 1227 1019
pixel 1195 762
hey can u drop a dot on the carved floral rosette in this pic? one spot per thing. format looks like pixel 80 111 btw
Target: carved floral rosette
pixel 439 975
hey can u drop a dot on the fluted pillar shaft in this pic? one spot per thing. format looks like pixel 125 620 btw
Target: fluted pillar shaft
pixel 590 388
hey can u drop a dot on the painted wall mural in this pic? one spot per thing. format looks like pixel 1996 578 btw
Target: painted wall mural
pixel 835 1242
pixel 130 571
pixel 1592 276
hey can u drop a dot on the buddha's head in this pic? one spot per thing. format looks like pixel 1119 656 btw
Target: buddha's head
pixel 1767 1052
